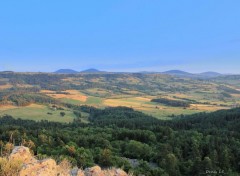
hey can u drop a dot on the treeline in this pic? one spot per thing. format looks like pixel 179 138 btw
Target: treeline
pixel 188 145
pixel 122 117
pixel 29 98
pixel 118 83
pixel 228 89
pixel 25 96
pixel 174 103
pixel 43 80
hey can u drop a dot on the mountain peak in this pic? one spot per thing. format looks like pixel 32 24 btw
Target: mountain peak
pixel 91 70
pixel 211 74
pixel 176 72
pixel 66 71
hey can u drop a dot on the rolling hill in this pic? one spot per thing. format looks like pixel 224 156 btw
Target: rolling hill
pixel 210 74
pixel 179 73
pixel 91 70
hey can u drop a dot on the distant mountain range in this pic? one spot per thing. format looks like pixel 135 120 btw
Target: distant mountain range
pixel 70 71
pixel 178 73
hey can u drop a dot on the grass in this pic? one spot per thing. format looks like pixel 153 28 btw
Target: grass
pixel 71 101
pixel 87 100
pixel 144 104
pixel 134 91
pixel 72 94
pixel 10 167
pixel 7 86
pixel 38 112
pixel 134 100
pixel 94 101
pixel 160 111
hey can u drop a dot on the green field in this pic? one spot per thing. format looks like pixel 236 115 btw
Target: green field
pixel 94 101
pixel 71 101
pixel 144 104
pixel 39 112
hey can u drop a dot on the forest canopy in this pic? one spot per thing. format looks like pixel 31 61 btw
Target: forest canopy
pixel 188 145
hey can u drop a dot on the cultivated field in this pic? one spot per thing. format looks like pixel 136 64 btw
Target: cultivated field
pixel 111 90
pixel 68 94
pixel 37 112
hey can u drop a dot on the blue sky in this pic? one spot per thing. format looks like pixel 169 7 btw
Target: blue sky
pixel 120 35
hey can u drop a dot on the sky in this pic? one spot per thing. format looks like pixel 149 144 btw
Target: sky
pixel 120 35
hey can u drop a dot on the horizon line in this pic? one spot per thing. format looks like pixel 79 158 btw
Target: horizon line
pixel 108 71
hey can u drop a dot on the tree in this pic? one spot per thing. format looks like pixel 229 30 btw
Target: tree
pixel 84 157
pixel 77 114
pixel 62 114
pixel 135 149
pixel 224 156
pixel 105 159
pixel 172 164
pixel 207 164
pixel 8 148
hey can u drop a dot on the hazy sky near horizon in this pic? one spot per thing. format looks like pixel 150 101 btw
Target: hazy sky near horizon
pixel 120 35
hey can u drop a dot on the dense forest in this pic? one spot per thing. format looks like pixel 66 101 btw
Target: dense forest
pixel 122 137
pixel 174 103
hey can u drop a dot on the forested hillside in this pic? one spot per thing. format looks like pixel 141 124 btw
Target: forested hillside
pixel 122 137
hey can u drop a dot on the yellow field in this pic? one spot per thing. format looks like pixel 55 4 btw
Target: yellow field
pixel 180 95
pixel 23 85
pixel 145 105
pixel 98 91
pixel 134 102
pixel 73 94
pixel 7 86
pixel 139 101
pixel 48 91
pixel 236 95
pixel 202 107
pixel 7 107
pixel 12 107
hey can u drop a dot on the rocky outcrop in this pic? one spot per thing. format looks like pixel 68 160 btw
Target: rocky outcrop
pixel 49 167
pixel 39 168
pixel 23 154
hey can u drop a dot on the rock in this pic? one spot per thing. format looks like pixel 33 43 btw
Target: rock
pixel 47 167
pixel 93 171
pixel 115 172
pixel 23 154
pixel 80 173
pixel 97 171
pixel 120 172
pixel 75 172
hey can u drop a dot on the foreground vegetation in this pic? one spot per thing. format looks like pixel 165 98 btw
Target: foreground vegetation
pixel 122 137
